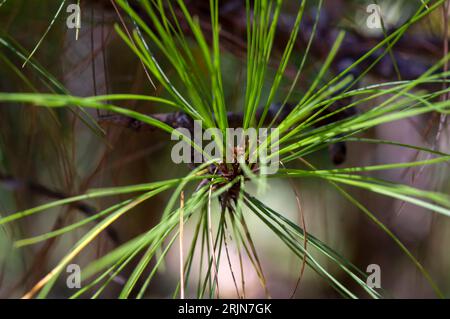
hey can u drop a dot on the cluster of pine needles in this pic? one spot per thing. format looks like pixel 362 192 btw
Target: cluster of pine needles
pixel 194 86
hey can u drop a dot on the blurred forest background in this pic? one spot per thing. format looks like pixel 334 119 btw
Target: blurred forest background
pixel 56 150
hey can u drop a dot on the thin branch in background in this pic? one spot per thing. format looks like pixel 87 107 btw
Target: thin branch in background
pixel 93 55
pixel 238 239
pixel 443 117
pixel 445 96
pixel 202 254
pixel 257 264
pixel 181 236
pixel 305 240
pixel 228 258
pixel 210 242
pixel 104 58
pixel 241 266
pixel 39 189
